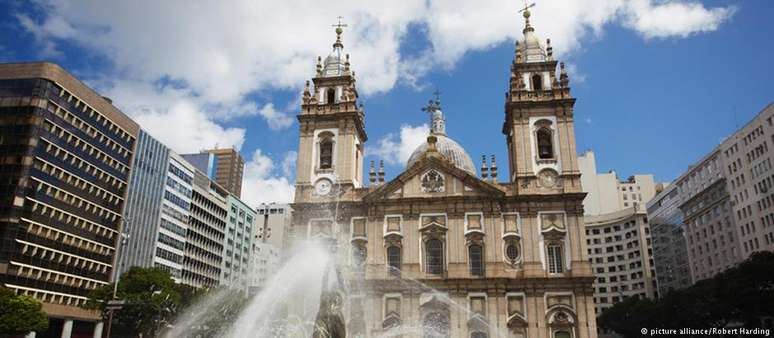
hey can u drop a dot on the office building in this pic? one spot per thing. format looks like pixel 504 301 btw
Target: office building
pixel 225 166
pixel 670 250
pixel 65 165
pixel 143 202
pixel 206 233
pixel 606 193
pixel 238 245
pixel 617 233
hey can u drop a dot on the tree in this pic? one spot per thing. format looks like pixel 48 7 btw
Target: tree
pixel 20 314
pixel 151 300
pixel 743 295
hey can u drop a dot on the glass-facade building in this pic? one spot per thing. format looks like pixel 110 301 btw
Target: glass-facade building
pixel 65 160
pixel 670 249
pixel 143 202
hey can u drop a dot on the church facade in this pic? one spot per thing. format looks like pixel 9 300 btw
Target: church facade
pixel 441 251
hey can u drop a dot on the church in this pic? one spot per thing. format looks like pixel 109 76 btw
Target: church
pixel 442 248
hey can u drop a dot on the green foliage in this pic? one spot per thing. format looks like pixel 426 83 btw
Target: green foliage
pixel 20 314
pixel 739 296
pixel 152 299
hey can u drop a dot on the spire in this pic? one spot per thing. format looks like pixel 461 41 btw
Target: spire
pixel 339 30
pixel 530 49
pixel 437 121
pixel 527 14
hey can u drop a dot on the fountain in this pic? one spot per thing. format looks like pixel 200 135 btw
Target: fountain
pixel 308 297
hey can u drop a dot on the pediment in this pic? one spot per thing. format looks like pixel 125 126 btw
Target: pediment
pixel 434 177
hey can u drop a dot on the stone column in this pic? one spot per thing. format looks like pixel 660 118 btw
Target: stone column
pixel 98 329
pixel 67 329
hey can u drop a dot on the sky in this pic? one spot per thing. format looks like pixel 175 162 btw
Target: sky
pixel 658 83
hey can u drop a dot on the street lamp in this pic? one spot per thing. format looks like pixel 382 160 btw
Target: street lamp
pixel 124 236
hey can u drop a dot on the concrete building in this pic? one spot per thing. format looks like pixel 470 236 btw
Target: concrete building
pixel 513 251
pixel 224 166
pixel 206 233
pixel 265 261
pixel 273 220
pixel 171 234
pixel 65 165
pixel 143 202
pixel 750 183
pixel 606 193
pixel 621 256
pixel 617 233
pixel 237 248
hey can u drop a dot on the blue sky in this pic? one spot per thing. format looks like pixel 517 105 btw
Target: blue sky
pixel 658 83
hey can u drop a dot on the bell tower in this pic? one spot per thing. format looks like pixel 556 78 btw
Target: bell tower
pixel 332 133
pixel 538 127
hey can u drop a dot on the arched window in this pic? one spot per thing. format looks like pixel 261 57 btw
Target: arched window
pixel 545 143
pixel 331 94
pixel 555 259
pixel 537 82
pixel 435 325
pixel 562 334
pixel 393 260
pixel 326 151
pixel 434 256
pixel 475 254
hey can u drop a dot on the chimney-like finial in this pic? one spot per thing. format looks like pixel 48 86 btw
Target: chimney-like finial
pixel 494 169
pixel 319 66
pixel 564 80
pixel 549 50
pixel 372 174
pixel 307 94
pixel 381 171
pixel 484 169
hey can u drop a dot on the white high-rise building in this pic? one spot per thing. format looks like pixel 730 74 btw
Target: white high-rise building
pixel 617 233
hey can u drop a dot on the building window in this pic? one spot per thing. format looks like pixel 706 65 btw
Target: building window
pixel 475 254
pixel 434 256
pixel 331 95
pixel 512 251
pixel 555 261
pixel 537 82
pixel 545 143
pixel 562 334
pixel 326 151
pixel 393 260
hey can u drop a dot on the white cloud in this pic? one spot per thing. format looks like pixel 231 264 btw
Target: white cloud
pixel 276 119
pixel 396 149
pixel 261 184
pixel 674 18
pixel 212 56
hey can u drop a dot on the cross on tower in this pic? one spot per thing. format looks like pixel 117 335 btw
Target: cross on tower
pixel 437 94
pixel 526 7
pixel 339 24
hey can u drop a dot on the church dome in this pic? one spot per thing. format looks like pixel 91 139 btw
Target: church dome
pixel 450 149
